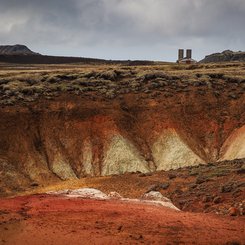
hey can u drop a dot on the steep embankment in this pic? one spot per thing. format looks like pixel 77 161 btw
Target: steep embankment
pixel 154 122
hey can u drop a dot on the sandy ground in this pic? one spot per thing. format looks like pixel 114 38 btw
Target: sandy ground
pixel 44 219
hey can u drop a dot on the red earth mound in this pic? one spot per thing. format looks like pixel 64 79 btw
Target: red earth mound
pixel 43 219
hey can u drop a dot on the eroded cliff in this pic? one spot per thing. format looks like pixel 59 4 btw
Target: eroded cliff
pixel 152 121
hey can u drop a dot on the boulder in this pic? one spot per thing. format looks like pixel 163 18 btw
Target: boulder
pixel 156 197
pixel 114 195
pixel 88 193
pixel 82 193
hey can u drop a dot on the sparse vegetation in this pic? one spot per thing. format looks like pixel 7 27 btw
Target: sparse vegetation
pixel 27 84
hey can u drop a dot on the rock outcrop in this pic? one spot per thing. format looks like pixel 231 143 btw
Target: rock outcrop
pixel 17 49
pixel 150 198
pixel 85 193
pixel 225 56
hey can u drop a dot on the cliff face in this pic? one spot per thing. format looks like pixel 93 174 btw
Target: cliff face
pixel 72 138
pixel 75 135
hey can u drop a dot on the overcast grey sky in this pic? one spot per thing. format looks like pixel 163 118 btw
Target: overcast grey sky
pixel 124 29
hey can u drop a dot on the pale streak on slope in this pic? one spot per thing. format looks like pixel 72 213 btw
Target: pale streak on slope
pixel 234 146
pixel 171 152
pixel 87 157
pixel 122 156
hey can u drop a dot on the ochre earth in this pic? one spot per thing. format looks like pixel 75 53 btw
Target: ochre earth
pixel 179 130
pixel 72 137
pixel 54 220
pixel 67 125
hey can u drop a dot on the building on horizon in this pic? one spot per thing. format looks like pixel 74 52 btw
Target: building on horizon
pixel 187 59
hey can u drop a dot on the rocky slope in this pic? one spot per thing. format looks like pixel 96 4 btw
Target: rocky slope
pixel 71 125
pixel 16 50
pixel 225 56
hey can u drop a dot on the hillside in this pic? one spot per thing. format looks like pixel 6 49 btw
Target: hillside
pixel 104 120
pixel 175 130
pixel 16 50
pixel 225 56
pixel 20 54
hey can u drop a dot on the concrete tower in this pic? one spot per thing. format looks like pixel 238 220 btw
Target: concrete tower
pixel 188 53
pixel 181 54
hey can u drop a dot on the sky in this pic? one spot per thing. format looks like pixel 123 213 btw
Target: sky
pixel 124 29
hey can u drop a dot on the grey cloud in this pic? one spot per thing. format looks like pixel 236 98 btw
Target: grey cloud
pixel 128 29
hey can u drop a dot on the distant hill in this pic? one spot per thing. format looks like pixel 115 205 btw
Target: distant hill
pixel 225 56
pixel 17 49
pixel 45 59
pixel 20 54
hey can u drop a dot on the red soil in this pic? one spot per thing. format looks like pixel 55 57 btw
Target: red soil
pixel 42 219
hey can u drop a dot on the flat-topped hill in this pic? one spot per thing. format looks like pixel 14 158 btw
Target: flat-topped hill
pixel 17 49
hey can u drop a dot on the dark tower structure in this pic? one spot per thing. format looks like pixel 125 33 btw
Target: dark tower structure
pixel 181 54
pixel 188 53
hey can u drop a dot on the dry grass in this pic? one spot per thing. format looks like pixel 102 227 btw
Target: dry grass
pixel 28 83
